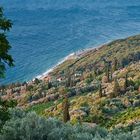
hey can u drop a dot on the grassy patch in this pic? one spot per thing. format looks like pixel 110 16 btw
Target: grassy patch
pixel 125 117
pixel 39 108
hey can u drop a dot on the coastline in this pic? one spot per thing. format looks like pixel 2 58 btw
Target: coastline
pixel 73 55
pixel 41 76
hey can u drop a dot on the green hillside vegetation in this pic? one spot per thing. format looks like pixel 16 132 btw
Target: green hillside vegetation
pixel 29 126
pixel 125 50
pixel 99 87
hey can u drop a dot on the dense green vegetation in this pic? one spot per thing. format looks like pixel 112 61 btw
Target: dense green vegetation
pixel 5 58
pixel 29 126
pixel 4 110
pixel 124 117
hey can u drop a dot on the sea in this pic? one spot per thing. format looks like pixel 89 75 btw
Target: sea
pixel 45 32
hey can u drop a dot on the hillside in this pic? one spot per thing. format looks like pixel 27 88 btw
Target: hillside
pixel 89 79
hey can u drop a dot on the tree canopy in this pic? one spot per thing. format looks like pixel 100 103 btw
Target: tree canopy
pixel 5 57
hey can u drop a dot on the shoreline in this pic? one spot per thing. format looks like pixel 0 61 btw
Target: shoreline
pixel 43 75
pixel 73 55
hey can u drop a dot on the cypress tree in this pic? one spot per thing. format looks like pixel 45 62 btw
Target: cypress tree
pixel 107 71
pixel 111 75
pixel 49 85
pixel 126 82
pixel 68 78
pixel 116 90
pixel 100 91
pixel 95 73
pixel 68 83
pixel 115 64
pixel 66 116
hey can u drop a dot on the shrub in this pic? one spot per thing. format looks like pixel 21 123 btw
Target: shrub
pixel 29 126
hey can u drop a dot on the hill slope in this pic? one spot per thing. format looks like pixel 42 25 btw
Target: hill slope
pixel 81 77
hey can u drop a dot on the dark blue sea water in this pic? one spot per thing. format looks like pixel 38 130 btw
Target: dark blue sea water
pixel 45 31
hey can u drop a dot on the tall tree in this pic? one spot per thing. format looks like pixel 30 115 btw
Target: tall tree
pixel 95 72
pixel 5 58
pixel 49 84
pixel 68 78
pixel 116 89
pixel 100 90
pixel 111 74
pixel 126 82
pixel 115 64
pixel 107 71
pixel 66 116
